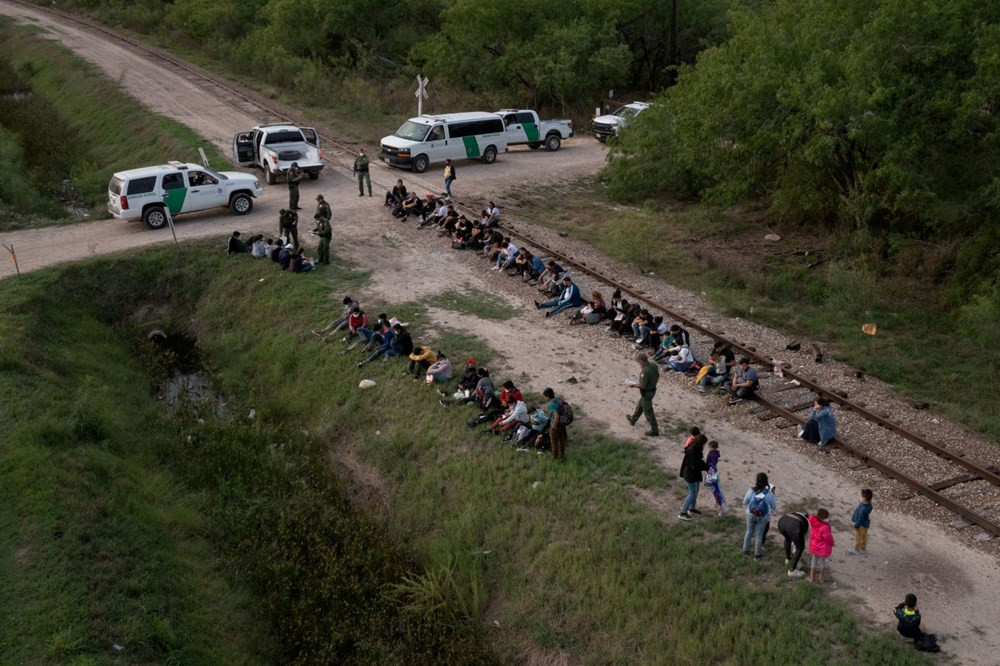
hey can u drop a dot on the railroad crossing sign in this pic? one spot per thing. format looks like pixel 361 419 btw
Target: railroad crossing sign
pixel 421 93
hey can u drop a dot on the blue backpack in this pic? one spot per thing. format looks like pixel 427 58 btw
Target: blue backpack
pixel 758 505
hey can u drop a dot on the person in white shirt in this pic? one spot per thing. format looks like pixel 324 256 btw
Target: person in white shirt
pixel 341 321
pixel 506 256
pixel 258 250
pixel 492 215
pixel 516 415
pixel 682 359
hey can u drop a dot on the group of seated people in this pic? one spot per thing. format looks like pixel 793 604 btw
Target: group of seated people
pixel 437 210
pixel 502 413
pixel 280 251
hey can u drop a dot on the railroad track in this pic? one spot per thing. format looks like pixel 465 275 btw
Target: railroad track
pixel 252 103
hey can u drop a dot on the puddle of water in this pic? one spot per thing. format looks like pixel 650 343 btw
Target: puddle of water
pixel 187 382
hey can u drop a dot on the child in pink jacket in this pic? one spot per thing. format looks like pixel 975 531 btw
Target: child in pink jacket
pixel 820 545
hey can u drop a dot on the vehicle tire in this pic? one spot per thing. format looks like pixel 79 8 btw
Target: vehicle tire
pixel 271 177
pixel 241 203
pixel 155 217
pixel 420 164
pixel 535 145
pixel 489 155
pixel 313 175
pixel 552 142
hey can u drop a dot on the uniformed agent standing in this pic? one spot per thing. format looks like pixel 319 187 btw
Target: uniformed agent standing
pixel 288 222
pixel 295 175
pixel 325 233
pixel 323 208
pixel 361 169
pixel 648 377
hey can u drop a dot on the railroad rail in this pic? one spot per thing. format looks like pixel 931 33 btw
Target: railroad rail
pixel 240 99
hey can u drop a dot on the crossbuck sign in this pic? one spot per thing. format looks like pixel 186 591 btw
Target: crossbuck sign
pixel 421 93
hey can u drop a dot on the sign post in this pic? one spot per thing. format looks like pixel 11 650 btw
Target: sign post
pixel 421 93
pixel 13 255
pixel 170 219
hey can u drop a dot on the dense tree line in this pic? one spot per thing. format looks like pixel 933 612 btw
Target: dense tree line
pixel 881 114
pixel 565 53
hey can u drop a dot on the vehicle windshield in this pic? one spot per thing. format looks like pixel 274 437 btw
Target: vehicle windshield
pixel 626 112
pixel 412 131
pixel 284 136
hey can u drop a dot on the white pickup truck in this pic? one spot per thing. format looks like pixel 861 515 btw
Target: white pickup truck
pixel 607 126
pixel 523 126
pixel 274 147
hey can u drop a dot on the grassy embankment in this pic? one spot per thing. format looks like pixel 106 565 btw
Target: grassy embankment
pixel 67 121
pixel 104 505
pixel 927 351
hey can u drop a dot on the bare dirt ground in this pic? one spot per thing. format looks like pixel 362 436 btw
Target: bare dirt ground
pixel 957 584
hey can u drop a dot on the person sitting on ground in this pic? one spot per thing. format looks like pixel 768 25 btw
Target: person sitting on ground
pixel 681 335
pixel 681 360
pixel 723 349
pixel 300 263
pixel 535 269
pixel 384 338
pixel 656 332
pixel 340 322
pixel 285 256
pixel 569 298
pixel 515 416
pixel 440 370
pixel 668 345
pixel 258 249
pixel 491 215
pixel 484 387
pixel 592 312
pixel 276 250
pixel 548 281
pixel 745 382
pixel 506 256
pixel 476 238
pixel 621 318
pixel 821 426
pixel 402 343
pixel 422 358
pixel 380 335
pixel 641 325
pixel 469 378
pixel 366 332
pixel 355 322
pixel 910 625
pixel 509 391
pixel 712 373
pixel 491 241
pixel 410 205
pixel 439 213
pixel 236 244
pixel 396 195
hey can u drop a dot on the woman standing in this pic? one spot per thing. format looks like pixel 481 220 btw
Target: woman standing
pixel 821 426
pixel 691 470
pixel 449 176
pixel 760 504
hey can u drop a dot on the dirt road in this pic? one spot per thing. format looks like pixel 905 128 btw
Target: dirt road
pixel 958 585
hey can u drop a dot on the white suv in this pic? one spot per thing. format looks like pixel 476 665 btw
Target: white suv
pixel 180 188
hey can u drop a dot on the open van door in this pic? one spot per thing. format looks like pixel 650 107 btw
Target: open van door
pixel 244 150
pixel 311 136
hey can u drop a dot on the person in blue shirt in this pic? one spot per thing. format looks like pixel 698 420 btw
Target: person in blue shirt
pixel 385 337
pixel 760 505
pixel 569 298
pixel 861 521
pixel 821 426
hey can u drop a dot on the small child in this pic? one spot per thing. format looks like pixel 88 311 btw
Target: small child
pixel 693 433
pixel 860 520
pixel 820 545
pixel 712 478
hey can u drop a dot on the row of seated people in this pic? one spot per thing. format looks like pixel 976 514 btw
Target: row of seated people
pixel 436 210
pixel 280 251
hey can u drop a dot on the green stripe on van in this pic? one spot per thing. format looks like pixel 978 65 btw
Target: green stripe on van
pixel 471 146
pixel 531 131
pixel 175 199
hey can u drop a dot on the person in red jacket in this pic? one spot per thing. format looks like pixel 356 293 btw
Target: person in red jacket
pixel 820 545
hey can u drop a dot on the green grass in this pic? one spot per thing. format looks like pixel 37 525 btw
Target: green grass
pixel 77 125
pixel 474 302
pixel 924 350
pixel 575 564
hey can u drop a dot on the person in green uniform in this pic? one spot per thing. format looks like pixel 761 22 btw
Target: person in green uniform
pixel 361 169
pixel 648 377
pixel 295 176
pixel 323 208
pixel 325 233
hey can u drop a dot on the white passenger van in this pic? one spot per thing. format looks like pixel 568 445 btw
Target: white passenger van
pixel 426 140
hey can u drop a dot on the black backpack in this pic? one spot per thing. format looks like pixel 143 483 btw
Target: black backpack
pixel 565 412
pixel 927 643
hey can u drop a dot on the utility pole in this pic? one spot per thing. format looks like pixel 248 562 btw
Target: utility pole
pixel 421 93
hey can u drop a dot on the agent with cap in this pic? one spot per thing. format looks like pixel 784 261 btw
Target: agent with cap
pixel 288 226
pixel 295 176
pixel 361 169
pixel 323 208
pixel 648 377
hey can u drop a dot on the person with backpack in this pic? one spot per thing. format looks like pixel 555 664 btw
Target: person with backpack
pixel 820 545
pixel 560 416
pixel 692 467
pixel 909 625
pixel 760 504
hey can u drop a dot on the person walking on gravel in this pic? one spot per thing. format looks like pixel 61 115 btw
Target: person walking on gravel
pixel 649 375
pixel 450 176
pixel 361 171
pixel 295 176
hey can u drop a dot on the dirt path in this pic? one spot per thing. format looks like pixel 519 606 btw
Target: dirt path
pixel 958 586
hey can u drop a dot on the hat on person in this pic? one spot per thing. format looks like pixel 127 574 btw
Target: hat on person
pixel 470 361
